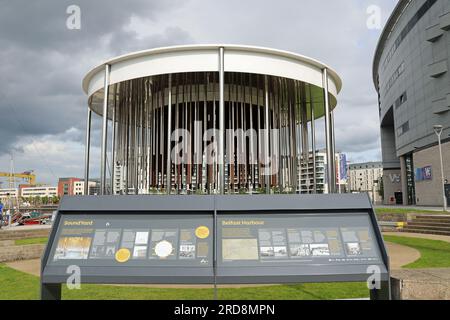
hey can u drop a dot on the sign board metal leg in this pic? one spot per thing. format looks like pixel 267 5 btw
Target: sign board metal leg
pixel 50 291
pixel 381 294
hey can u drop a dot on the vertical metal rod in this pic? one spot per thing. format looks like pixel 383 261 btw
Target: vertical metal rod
pixel 135 137
pixel 280 155
pixel 266 138
pixel 313 139
pixel 222 121
pixel 252 153
pixel 305 144
pixel 157 133
pixel 113 149
pixel 205 156
pixel 176 169
pixel 259 132
pixel 294 130
pixel 185 142
pixel 328 140
pixel 163 124
pixel 333 145
pixel 169 133
pixel 104 130
pixel 87 151
pixel 154 179
pixel 127 140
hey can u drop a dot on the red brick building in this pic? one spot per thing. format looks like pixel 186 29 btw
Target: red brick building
pixel 66 186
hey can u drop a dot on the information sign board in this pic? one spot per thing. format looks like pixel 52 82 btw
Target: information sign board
pixel 214 240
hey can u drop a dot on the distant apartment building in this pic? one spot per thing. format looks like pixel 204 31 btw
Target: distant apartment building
pixel 66 186
pixel 78 188
pixel 119 178
pixel 28 192
pixel 8 193
pixel 42 191
pixel 366 177
pixel 306 181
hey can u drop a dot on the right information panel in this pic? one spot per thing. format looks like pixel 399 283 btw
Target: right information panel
pixel 292 239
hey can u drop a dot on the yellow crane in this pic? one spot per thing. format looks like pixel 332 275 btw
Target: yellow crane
pixel 28 176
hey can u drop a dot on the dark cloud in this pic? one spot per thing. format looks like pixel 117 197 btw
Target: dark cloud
pixel 42 63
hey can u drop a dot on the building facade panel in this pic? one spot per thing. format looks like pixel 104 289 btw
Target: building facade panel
pixel 429 188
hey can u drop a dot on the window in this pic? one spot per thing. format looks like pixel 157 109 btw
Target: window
pixel 397 73
pixel 401 100
pixel 419 14
pixel 403 128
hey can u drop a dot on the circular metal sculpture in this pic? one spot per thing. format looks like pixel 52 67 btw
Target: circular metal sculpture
pixel 241 120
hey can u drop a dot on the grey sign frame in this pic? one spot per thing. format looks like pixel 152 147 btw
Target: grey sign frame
pixel 215 206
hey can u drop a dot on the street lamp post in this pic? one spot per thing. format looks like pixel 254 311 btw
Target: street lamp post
pixel 438 131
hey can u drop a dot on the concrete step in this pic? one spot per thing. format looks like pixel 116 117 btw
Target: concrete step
pixel 428 227
pixel 425 231
pixel 427 223
pixel 436 218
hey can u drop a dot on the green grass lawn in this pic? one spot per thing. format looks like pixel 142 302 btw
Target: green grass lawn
pixel 21 242
pixel 18 285
pixel 403 210
pixel 434 253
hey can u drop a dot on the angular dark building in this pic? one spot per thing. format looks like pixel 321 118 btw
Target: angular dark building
pixel 411 76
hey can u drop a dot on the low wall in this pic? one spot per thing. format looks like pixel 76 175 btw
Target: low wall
pixel 420 284
pixel 25 252
pixel 17 233
pixel 10 252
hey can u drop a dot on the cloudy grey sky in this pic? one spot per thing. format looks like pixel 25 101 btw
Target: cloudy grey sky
pixel 42 63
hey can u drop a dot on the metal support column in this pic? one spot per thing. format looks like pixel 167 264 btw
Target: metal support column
pixel 221 121
pixel 87 151
pixel 328 140
pixel 333 145
pixel 305 140
pixel 313 141
pixel 169 134
pixel 113 149
pixel 104 131
pixel 266 134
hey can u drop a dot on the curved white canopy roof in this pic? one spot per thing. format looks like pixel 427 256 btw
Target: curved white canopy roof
pixel 201 58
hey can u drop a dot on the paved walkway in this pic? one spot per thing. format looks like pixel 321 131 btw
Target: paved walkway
pixel 418 235
pixel 32 266
pixel 400 255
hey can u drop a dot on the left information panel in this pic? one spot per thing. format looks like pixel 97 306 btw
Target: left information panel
pixel 133 240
